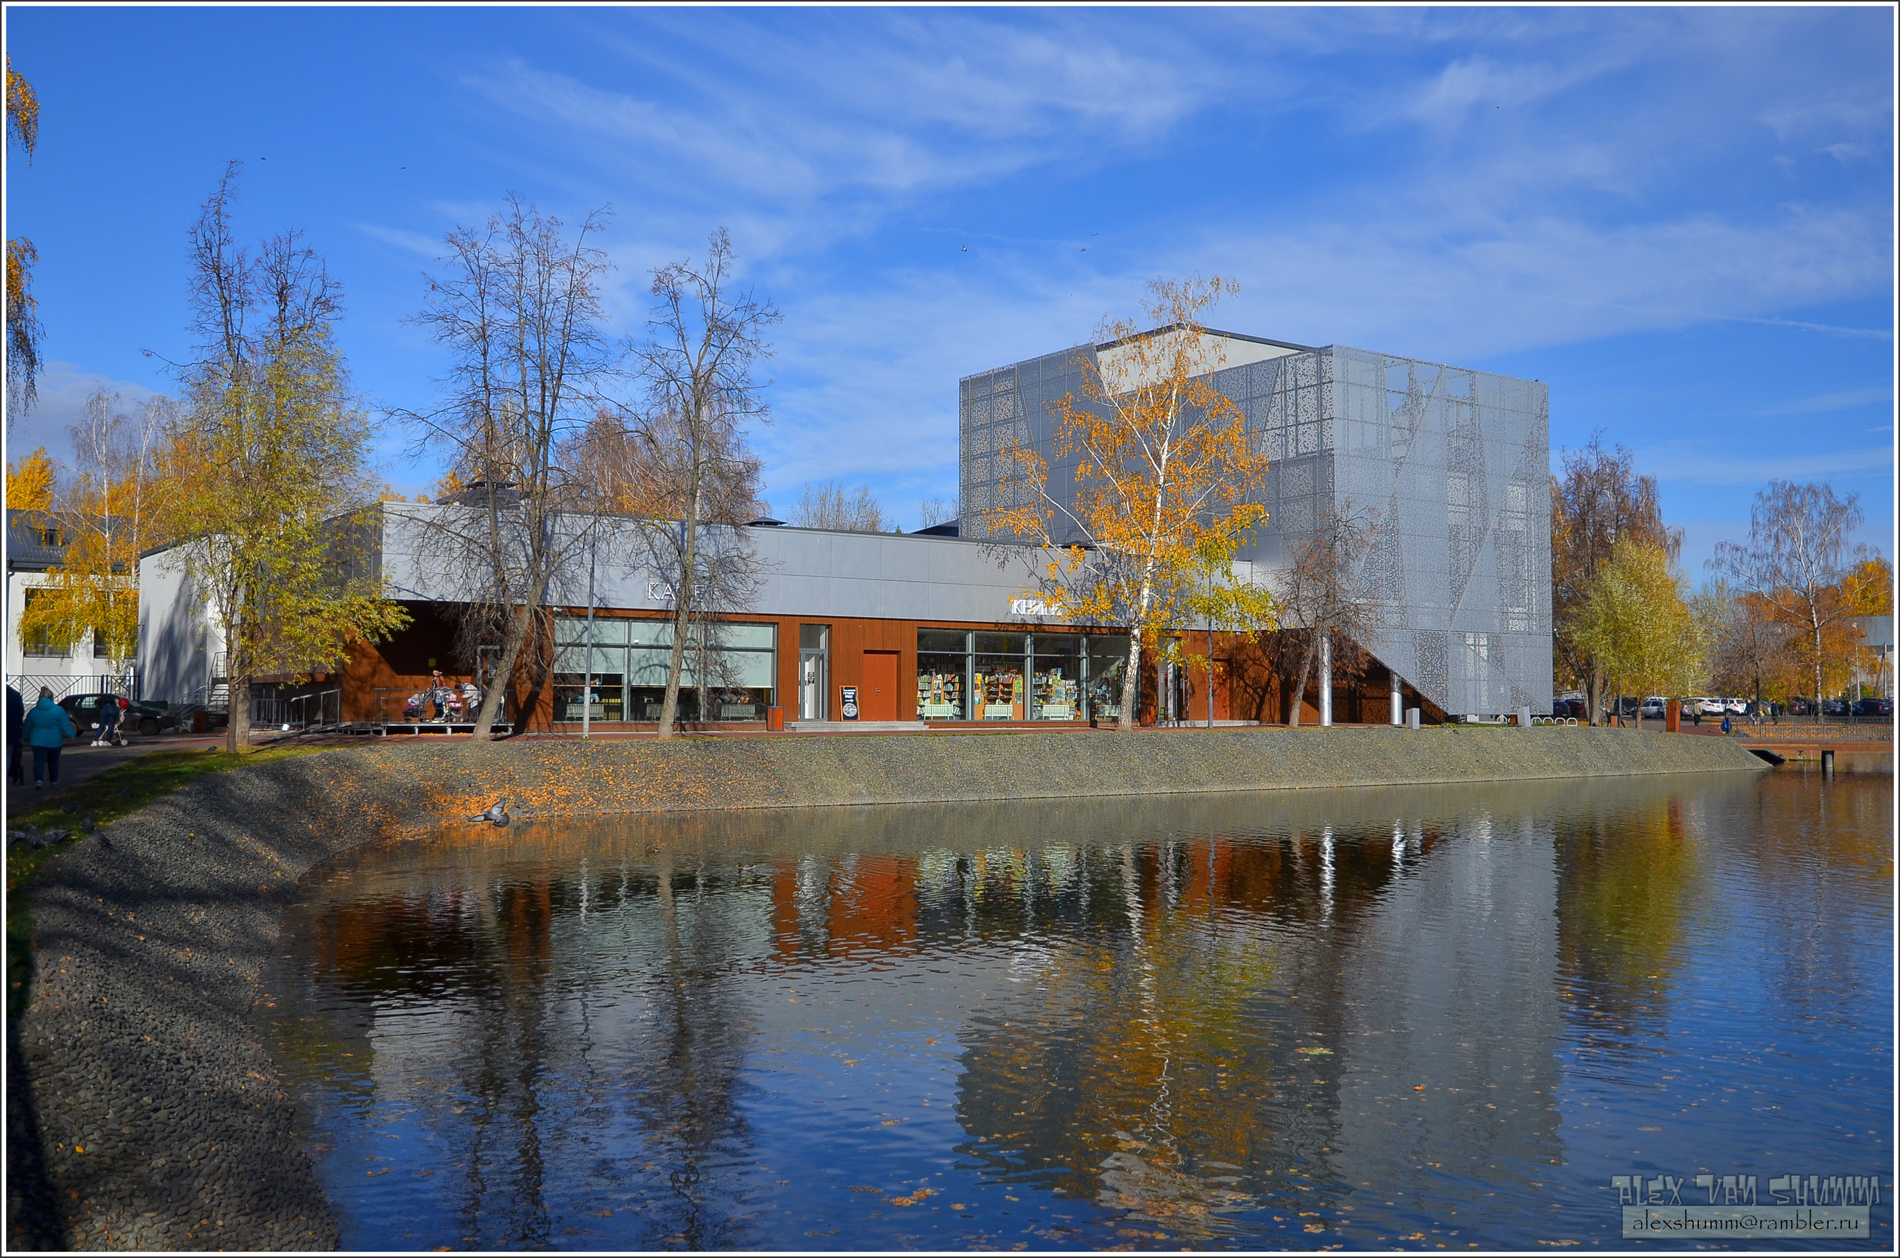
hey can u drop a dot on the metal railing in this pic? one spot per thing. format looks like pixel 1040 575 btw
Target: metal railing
pixel 304 711
pixel 28 684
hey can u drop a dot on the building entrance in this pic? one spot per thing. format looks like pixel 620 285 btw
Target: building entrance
pixel 877 698
pixel 814 642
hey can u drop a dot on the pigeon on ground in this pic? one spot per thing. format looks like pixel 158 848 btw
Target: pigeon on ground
pixel 498 814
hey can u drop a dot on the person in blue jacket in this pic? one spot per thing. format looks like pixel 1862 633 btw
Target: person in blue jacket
pixel 47 727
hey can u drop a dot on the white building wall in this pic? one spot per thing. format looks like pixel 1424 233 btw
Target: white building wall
pixel 179 645
pixel 76 671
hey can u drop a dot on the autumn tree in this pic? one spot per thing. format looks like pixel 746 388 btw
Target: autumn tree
pixel 268 457
pixel 1163 464
pixel 1798 564
pixel 110 511
pixel 1325 594
pixel 518 307
pixel 1748 650
pixel 1598 501
pixel 705 340
pixel 30 482
pixel 24 333
pixel 1636 625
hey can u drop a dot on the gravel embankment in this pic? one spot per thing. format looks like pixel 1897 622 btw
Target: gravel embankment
pixel 144 1109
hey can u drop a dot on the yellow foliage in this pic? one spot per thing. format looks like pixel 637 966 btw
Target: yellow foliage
pixel 1635 622
pixel 30 484
pixel 1162 468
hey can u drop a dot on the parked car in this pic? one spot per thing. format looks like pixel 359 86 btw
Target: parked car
pixel 140 718
pixel 1834 707
pixel 1655 707
pixel 1736 706
pixel 1570 708
pixel 1800 706
pixel 1873 707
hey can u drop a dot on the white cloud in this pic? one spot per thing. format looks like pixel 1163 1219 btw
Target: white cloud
pixel 1696 463
pixel 63 390
pixel 1824 402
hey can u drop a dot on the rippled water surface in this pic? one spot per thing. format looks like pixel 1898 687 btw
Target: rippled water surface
pixel 1419 1018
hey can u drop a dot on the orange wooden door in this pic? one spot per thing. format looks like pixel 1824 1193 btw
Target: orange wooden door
pixel 877 699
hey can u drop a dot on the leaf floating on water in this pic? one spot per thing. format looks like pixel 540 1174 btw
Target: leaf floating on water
pixel 1315 1052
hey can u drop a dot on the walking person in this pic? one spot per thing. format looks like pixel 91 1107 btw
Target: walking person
pixel 109 715
pixel 16 714
pixel 47 727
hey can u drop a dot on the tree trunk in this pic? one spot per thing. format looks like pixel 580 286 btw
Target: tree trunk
pixel 1131 683
pixel 682 615
pixel 1820 704
pixel 504 678
pixel 1299 691
pixel 1593 692
pixel 237 698
pixel 541 647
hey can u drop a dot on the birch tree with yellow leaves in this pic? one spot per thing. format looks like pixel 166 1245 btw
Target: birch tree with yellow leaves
pixel 109 511
pixel 1163 466
pixel 268 457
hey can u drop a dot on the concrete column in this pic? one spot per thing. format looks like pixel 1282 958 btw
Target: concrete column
pixel 1398 697
pixel 1325 679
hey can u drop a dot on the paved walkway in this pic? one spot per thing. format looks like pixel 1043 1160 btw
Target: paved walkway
pixel 82 762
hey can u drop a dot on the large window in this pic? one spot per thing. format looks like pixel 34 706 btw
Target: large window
pixel 943 664
pixel 728 674
pixel 985 676
pixel 41 640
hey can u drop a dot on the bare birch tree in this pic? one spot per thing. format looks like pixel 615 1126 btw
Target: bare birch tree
pixel 705 338
pixel 519 309
pixel 1797 563
pixel 1326 594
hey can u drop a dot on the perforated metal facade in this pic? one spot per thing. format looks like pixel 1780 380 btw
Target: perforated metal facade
pixel 1456 463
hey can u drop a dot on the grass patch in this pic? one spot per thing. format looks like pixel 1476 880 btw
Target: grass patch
pixel 118 792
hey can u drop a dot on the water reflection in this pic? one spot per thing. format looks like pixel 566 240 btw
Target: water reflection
pixel 1409 1018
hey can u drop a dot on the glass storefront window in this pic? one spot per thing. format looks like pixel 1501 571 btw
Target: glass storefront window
pixel 739 662
pixel 609 696
pixel 1058 678
pixel 943 668
pixel 997 681
pixel 1107 664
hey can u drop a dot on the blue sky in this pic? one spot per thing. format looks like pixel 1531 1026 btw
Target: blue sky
pixel 1683 220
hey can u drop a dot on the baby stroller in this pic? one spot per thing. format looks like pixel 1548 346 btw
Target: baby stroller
pixel 412 708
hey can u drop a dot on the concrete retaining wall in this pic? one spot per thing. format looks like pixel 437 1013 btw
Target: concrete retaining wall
pixel 144 1108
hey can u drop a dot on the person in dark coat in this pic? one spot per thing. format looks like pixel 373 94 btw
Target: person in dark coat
pixel 47 727
pixel 16 714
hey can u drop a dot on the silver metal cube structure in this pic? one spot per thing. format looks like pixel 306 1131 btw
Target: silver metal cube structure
pixel 1456 462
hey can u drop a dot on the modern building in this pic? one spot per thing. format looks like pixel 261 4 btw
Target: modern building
pixel 1455 462
pixel 942 626
pixel 898 627
pixel 36 542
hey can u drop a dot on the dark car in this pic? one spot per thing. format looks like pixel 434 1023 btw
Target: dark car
pixel 1800 705
pixel 1570 708
pixel 1873 707
pixel 141 718
pixel 1834 707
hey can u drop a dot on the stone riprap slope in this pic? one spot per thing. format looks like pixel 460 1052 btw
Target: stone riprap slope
pixel 147 1112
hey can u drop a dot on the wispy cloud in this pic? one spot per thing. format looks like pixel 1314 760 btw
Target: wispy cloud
pixel 1822 403
pixel 1696 463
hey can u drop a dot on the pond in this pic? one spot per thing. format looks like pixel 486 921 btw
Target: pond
pixel 1420 1018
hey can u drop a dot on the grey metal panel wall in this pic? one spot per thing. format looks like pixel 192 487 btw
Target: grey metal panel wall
pixel 1455 463
pixel 805 572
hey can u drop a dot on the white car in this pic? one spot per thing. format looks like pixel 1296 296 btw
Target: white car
pixel 1738 706
pixel 1710 707
pixel 1655 706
